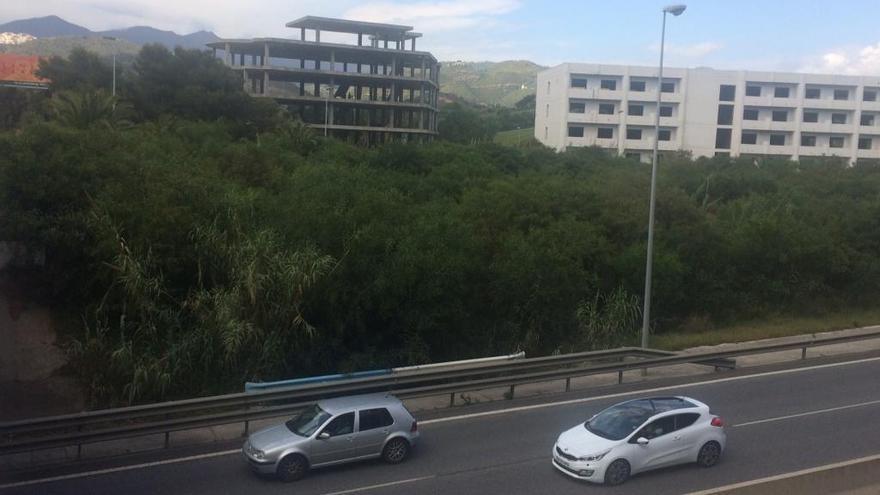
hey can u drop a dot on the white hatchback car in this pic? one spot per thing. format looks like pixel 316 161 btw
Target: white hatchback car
pixel 640 435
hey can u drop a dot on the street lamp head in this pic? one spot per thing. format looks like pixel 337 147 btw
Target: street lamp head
pixel 675 10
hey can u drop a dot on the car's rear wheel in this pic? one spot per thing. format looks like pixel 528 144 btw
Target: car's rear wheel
pixel 617 472
pixel 709 454
pixel 395 451
pixel 292 468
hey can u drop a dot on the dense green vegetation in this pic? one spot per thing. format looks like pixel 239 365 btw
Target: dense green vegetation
pixel 195 238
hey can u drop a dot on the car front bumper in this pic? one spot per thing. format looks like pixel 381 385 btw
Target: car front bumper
pixel 586 471
pixel 259 466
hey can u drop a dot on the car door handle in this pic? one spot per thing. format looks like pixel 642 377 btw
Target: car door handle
pixel 677 438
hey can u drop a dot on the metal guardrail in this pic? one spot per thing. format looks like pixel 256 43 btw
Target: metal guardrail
pixel 167 417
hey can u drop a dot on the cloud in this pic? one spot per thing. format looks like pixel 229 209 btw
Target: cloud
pixel 695 50
pixel 434 16
pixel 863 61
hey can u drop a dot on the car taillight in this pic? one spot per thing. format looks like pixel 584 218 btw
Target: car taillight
pixel 716 421
pixel 414 428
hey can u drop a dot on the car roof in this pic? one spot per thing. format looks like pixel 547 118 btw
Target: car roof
pixel 685 403
pixel 368 401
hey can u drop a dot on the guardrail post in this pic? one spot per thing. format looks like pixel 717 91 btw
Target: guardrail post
pixel 567 384
pixel 167 438
pixel 247 425
pixel 452 399
pixel 804 352
pixel 511 391
pixel 620 377
pixel 79 446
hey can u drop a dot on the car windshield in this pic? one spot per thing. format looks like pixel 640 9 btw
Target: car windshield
pixel 617 422
pixel 310 420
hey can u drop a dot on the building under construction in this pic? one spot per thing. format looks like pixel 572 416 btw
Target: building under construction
pixel 365 82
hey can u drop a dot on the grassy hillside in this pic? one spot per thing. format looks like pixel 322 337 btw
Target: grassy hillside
pixel 490 83
pixel 61 46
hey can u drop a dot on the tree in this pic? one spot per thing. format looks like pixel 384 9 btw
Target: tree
pixel 82 70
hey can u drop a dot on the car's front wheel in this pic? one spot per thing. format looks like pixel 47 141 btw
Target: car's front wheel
pixel 709 454
pixel 617 472
pixel 395 451
pixel 292 468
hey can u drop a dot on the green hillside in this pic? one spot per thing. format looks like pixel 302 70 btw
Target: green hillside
pixel 61 46
pixel 490 83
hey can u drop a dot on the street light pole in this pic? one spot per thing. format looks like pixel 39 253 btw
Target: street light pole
pixel 675 10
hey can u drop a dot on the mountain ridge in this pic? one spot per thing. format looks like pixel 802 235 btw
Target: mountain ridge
pixel 52 26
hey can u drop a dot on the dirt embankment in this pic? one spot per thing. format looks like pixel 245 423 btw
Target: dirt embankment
pixel 30 360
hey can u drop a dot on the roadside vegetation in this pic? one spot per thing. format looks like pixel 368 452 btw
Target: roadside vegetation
pixel 196 238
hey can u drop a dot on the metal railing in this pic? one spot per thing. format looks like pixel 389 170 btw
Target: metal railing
pixel 167 417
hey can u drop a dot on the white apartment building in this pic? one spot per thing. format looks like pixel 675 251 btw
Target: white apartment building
pixel 709 112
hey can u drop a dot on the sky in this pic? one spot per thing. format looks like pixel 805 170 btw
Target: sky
pixel 842 36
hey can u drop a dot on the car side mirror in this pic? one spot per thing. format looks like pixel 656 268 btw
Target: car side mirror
pixel 642 441
pixel 323 435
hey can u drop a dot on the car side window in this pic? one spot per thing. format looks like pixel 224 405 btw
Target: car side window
pixel 371 419
pixel 656 428
pixel 340 425
pixel 685 420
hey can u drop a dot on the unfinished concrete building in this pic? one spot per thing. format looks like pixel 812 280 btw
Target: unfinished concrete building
pixel 364 82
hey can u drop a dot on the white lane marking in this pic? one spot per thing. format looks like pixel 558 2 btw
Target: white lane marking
pixel 121 468
pixel 640 392
pixel 793 474
pixel 382 485
pixel 454 418
pixel 808 413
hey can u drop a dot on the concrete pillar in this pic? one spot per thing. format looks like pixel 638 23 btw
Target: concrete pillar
pixel 265 53
pixel 226 54
pixel 360 39
pixel 302 34
pixel 317 35
pixel 413 44
pixel 265 87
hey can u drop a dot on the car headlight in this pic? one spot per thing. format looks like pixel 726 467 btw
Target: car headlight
pixel 594 457
pixel 258 454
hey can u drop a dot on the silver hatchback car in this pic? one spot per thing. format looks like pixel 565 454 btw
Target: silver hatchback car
pixel 334 431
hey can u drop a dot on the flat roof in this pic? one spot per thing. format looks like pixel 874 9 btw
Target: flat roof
pixel 346 26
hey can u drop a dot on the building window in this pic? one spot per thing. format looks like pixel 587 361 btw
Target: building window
pixel 636 110
pixel 777 139
pixel 780 92
pixel 578 82
pixel 722 139
pixel 835 141
pixel 838 118
pixel 636 85
pixel 575 131
pixel 811 116
pixel 727 92
pixel 725 114
pixel 813 93
pixel 750 114
pixel 665 111
pixel 841 94
pixel 664 135
pixel 634 134
pixel 667 87
pixel 753 90
pixel 609 84
pixel 606 108
pixel 605 133
pixel 633 156
pixel 780 115
pixel 808 141
pixel 577 107
pixel 749 138
pixel 869 95
pixel 864 143
pixel 867 119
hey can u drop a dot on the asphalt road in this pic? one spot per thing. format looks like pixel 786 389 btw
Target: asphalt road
pixel 777 423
